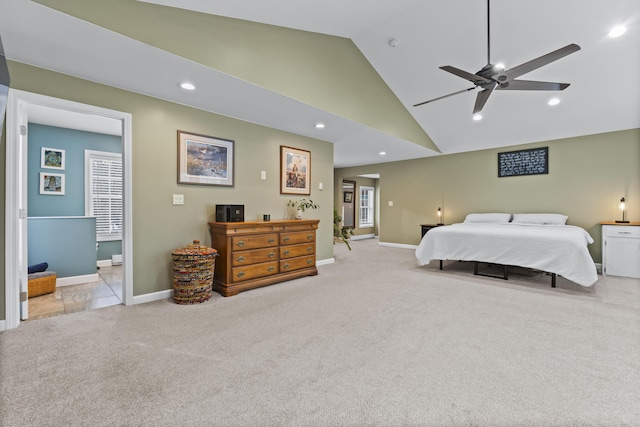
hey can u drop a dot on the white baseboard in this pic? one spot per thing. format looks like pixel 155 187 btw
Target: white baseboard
pixel 3 326
pixel 104 263
pixel 398 245
pixel 362 236
pixel 154 296
pixel 77 280
pixel 325 261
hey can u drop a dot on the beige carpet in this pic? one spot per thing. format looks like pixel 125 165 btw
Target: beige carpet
pixel 373 340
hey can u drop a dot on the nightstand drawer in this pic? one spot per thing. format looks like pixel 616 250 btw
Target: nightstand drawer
pixel 622 231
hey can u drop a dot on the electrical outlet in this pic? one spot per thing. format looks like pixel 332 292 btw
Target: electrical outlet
pixel 390 203
pixel 263 175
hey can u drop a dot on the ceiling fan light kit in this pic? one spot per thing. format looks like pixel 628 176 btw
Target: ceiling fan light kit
pixel 495 77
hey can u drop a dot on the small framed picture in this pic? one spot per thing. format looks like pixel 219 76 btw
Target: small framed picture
pixel 204 160
pixel 295 171
pixel 348 197
pixel 52 184
pixel 52 158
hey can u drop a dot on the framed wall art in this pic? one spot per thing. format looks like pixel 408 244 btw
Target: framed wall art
pixel 348 197
pixel 534 161
pixel 52 184
pixel 295 171
pixel 204 160
pixel 52 158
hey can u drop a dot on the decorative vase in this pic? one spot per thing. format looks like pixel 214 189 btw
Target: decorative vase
pixel 298 213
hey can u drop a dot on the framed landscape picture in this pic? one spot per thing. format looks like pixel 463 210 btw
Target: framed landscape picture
pixel 204 160
pixel 295 171
pixel 52 184
pixel 52 158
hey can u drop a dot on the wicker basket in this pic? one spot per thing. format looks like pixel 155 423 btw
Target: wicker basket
pixel 42 283
pixel 193 273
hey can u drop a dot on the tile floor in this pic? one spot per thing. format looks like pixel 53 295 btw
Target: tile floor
pixel 87 296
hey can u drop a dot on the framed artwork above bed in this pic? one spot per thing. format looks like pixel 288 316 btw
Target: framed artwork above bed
pixel 534 161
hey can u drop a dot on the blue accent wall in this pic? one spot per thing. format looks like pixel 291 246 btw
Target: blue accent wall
pixel 68 245
pixel 74 142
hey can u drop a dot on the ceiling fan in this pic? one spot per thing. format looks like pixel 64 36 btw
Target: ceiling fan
pixel 491 77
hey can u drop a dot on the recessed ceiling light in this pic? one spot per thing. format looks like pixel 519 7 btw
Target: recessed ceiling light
pixel 319 125
pixel 383 153
pixel 554 101
pixel 393 42
pixel 477 117
pixel 187 86
pixel 499 66
pixel 617 31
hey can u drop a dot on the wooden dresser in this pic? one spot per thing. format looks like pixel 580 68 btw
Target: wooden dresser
pixel 254 254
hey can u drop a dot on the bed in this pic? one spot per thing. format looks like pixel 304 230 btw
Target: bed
pixel 541 242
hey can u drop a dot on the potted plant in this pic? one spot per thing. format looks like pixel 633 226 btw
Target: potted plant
pixel 301 206
pixel 341 234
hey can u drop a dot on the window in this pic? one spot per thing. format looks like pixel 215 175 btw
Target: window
pixel 103 193
pixel 366 206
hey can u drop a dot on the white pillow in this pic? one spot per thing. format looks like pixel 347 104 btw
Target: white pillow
pixel 488 217
pixel 552 219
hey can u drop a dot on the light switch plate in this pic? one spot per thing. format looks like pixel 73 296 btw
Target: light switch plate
pixel 390 203
pixel 178 199
pixel 263 174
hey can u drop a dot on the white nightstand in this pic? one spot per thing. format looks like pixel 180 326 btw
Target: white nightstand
pixel 621 249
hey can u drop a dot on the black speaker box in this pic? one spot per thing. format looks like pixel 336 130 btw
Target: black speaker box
pixel 229 213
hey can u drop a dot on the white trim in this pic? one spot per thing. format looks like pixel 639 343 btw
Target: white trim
pixel 362 236
pixel 398 245
pixel 3 326
pixel 104 263
pixel 325 261
pixel 154 296
pixel 18 104
pixel 77 280
pixel 598 267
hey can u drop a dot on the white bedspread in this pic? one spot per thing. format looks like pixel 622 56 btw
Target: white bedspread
pixel 560 249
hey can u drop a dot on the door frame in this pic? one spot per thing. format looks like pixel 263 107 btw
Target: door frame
pixel 18 103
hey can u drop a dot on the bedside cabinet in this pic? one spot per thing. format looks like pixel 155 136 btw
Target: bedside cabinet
pixel 621 249
pixel 426 227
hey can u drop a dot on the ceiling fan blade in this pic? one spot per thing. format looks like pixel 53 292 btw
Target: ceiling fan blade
pixel 534 64
pixel 532 85
pixel 445 96
pixel 482 98
pixel 476 80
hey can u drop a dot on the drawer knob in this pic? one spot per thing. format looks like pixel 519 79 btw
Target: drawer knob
pixel 309 249
pixel 271 240
pixel 240 259
pixel 286 266
pixel 241 243
pixel 309 236
pixel 271 254
pixel 240 274
pixel 271 268
pixel 309 261
pixel 286 252
pixel 286 239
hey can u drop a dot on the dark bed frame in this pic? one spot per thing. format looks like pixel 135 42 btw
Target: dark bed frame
pixel 505 272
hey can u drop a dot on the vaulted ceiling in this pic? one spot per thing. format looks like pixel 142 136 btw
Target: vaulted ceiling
pixel 334 62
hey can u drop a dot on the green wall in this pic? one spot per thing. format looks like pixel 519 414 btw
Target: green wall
pixel 158 226
pixel 587 176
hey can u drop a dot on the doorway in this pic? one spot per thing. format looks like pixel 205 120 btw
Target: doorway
pixel 348 204
pixel 20 105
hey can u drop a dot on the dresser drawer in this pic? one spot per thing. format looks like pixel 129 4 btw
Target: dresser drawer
pixel 292 251
pixel 297 263
pixel 298 237
pixel 254 256
pixel 239 274
pixel 254 241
